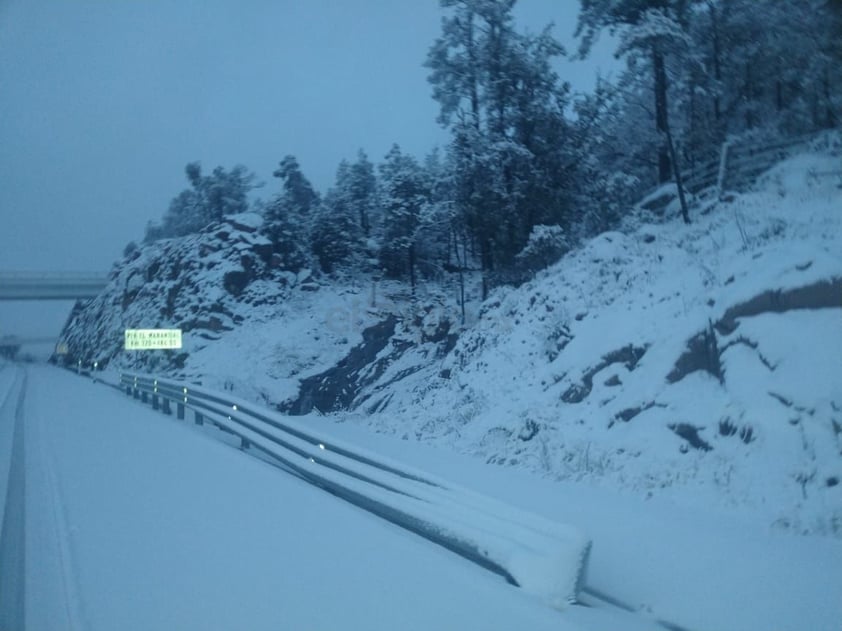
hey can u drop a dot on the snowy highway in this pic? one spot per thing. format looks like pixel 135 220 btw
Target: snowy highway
pixel 134 520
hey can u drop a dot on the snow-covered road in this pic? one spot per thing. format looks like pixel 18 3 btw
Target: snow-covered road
pixel 136 521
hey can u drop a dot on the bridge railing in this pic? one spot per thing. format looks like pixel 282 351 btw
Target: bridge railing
pixel 50 285
pixel 542 557
pixel 62 275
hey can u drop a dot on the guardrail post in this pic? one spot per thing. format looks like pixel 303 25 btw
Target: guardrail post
pixel 179 411
pixel 244 444
pixel 199 420
pixel 144 397
pixel 135 393
pixel 154 401
pixel 165 406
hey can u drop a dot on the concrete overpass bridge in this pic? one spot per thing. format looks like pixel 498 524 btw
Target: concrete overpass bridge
pixel 50 285
pixel 20 340
pixel 11 344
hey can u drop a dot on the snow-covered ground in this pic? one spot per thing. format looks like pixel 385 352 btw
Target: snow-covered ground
pixel 135 521
pixel 542 380
pixel 138 521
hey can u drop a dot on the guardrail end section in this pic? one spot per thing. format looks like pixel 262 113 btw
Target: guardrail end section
pixel 558 573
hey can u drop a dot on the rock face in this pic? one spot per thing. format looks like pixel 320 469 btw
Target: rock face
pixel 201 283
pixel 338 387
pixel 391 351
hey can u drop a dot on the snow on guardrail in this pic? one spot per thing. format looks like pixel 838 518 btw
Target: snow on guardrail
pixel 542 557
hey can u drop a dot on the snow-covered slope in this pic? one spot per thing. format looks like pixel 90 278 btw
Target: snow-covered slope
pixel 697 362
pixel 700 361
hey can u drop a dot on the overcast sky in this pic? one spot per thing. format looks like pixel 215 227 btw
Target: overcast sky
pixel 103 102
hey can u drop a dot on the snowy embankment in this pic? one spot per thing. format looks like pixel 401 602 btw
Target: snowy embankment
pixel 701 568
pixel 700 363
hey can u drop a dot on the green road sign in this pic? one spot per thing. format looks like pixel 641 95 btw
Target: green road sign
pixel 152 339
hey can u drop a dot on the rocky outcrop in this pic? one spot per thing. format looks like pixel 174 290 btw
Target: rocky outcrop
pixel 703 352
pixel 824 294
pixel 391 350
pixel 203 284
pixel 336 388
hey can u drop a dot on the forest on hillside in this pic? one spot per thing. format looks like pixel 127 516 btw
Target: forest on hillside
pixel 530 169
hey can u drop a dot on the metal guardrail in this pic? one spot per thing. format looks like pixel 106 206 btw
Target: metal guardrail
pixel 540 556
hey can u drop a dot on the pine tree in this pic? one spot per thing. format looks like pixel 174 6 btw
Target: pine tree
pixel 362 192
pixel 209 199
pixel 405 198
pixel 779 64
pixel 336 237
pixel 296 187
pixel 503 104
pixel 648 27
pixel 287 217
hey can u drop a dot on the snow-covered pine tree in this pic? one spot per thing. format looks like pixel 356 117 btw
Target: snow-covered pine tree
pixel 336 237
pixel 296 187
pixel 646 27
pixel 361 184
pixel 405 199
pixel 730 68
pixel 503 103
pixel 546 245
pixel 778 63
pixel 210 198
pixel 287 217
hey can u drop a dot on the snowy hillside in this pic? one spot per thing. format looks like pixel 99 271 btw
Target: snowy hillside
pixel 701 363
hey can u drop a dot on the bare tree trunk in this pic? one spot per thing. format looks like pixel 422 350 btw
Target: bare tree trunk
pixel 830 115
pixel 717 61
pixel 461 263
pixel 661 119
pixel 679 183
pixel 472 57
pixel 411 253
pixel 486 264
pixel 749 97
